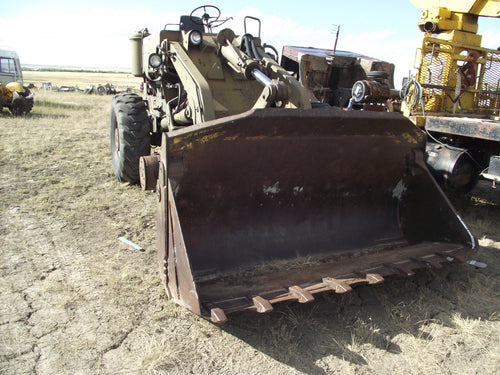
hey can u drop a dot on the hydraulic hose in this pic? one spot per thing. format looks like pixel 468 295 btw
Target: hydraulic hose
pixel 249 47
pixel 179 88
pixel 255 51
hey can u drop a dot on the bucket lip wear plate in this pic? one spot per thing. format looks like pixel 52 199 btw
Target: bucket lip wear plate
pixel 339 277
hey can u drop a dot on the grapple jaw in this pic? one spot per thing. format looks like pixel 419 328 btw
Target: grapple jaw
pixel 281 204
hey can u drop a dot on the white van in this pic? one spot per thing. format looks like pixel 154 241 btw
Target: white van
pixel 10 68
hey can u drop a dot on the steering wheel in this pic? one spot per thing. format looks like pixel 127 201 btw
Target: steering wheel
pixel 205 18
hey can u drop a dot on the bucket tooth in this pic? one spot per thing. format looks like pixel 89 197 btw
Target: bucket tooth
pixel 460 258
pixel 262 305
pixel 217 315
pixel 455 257
pixel 400 269
pixel 428 263
pixel 374 278
pixel 302 295
pixel 339 286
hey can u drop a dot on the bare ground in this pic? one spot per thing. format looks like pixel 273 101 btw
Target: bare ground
pixel 75 300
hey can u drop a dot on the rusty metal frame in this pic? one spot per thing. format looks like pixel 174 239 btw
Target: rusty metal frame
pixel 463 126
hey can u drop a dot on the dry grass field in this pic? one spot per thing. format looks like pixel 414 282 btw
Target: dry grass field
pixel 75 300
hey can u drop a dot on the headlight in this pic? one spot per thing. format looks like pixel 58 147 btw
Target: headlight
pixel 154 60
pixel 195 38
pixel 360 90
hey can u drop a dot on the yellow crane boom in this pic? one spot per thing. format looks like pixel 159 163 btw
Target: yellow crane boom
pixel 483 8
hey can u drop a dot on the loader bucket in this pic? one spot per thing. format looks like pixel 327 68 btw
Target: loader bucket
pixel 281 204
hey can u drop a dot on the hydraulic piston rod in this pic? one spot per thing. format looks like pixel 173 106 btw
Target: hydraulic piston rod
pixel 261 77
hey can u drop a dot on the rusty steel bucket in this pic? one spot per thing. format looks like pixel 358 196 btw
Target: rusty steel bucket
pixel 280 204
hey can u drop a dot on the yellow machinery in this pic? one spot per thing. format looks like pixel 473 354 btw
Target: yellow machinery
pixel 17 98
pixel 455 95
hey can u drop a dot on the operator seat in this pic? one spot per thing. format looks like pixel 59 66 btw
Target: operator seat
pixel 187 24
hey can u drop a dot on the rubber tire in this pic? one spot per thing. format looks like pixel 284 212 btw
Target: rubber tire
pixel 18 106
pixel 28 103
pixel 129 136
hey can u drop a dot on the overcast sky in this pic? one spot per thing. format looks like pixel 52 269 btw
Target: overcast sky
pixel 95 34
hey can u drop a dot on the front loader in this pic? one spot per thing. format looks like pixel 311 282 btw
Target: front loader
pixel 265 195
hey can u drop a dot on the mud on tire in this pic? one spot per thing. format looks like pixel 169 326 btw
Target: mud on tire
pixel 129 135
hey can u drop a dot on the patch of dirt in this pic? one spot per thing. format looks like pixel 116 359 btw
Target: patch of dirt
pixel 74 299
